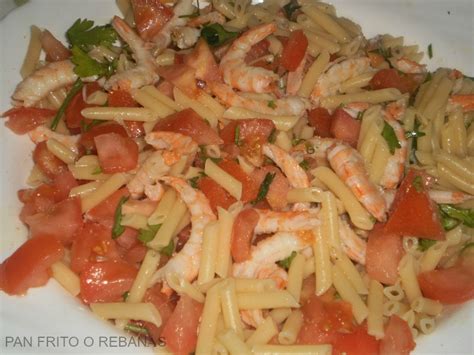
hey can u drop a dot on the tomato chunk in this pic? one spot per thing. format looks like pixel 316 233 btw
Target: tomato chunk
pixel 106 281
pixel 384 252
pixel 116 153
pixel 344 127
pixel 203 61
pixel 122 98
pixel 73 116
pixel 359 342
pixel 321 120
pixel 87 138
pixel 242 234
pixel 276 195
pixel 104 211
pixel 54 49
pixel 257 51
pixel 215 193
pixel 47 162
pixel 164 305
pixel 413 212
pixel 397 339
pixel 189 123
pixel 61 221
pixel 21 120
pixel 250 130
pixel 150 17
pixel 182 76
pixel 249 187
pixel 294 50
pixel 390 78
pixel 180 332
pixel 29 265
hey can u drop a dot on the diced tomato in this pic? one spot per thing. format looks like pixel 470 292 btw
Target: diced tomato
pixel 250 130
pixel 215 193
pixel 276 195
pixel 390 78
pixel 150 17
pixel 121 98
pixel 136 254
pixel 47 162
pixel 413 212
pixel 73 116
pixel 344 127
pixel 36 200
pixel 54 49
pixel 29 265
pixel 398 338
pixel 242 234
pixel 87 138
pixel 189 123
pixel 203 61
pixel 106 281
pixel 128 239
pixel 164 305
pixel 249 187
pixel 106 209
pixel 294 50
pixel 258 50
pixel 359 342
pixel 180 331
pixel 61 221
pixel 116 153
pixel 182 76
pixel 21 120
pixel 321 120
pixel 384 252
pixel 62 184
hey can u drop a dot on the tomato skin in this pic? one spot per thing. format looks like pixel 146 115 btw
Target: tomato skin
pixel 106 281
pixel 250 130
pixel 413 212
pixel 258 50
pixel 150 17
pixel 189 123
pixel 344 127
pixel 29 265
pixel 182 76
pixel 116 153
pixel 321 120
pixel 180 331
pixel 276 195
pixel 390 78
pixel 294 50
pixel 215 193
pixel 384 252
pixel 397 339
pixel 87 138
pixel 359 342
pixel 73 116
pixel 54 49
pixel 242 234
pixel 47 162
pixel 104 211
pixel 202 60
pixel 60 221
pixel 164 305
pixel 249 187
pixel 21 120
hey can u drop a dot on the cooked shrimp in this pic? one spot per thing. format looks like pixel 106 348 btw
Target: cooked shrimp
pixel 42 133
pixel 292 105
pixel 295 78
pixel 211 17
pixel 356 108
pixel 289 221
pixel 466 102
pixel 186 263
pixel 408 66
pixel 184 36
pixel 144 73
pixel 51 77
pixel 183 8
pixel 352 244
pixel 395 167
pixel 235 71
pixel 330 82
pixel 395 110
pixel 146 180
pixel 451 197
pixel 175 145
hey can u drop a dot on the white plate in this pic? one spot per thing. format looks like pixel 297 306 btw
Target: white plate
pixel 49 311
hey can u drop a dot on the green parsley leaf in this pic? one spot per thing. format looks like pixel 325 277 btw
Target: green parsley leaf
pixel 384 52
pixel 237 136
pixel 360 114
pixel 118 229
pixel 425 244
pixel 168 250
pixel 264 187
pixel 84 35
pixel 290 9
pixel 463 215
pixel 194 182
pixel 418 183
pixel 216 35
pixel 390 137
pixel 305 165
pixel 86 66
pixel 147 235
pixel 125 296
pixel 136 329
pixel 76 87
pixel 285 263
pixel 272 136
pixel 272 104
pixel 97 171
pixel 430 51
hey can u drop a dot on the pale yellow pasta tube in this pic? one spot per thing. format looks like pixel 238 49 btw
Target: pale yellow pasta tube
pixel 211 103
pixel 432 256
pixel 134 220
pixel 61 151
pixel 226 221
pixel 162 209
pixel 165 233
pixel 140 284
pixel 351 273
pixel 123 113
pixel 371 97
pixel 264 332
pixel 459 181
pixel 307 194
pixel 202 110
pixel 107 188
pixel 375 305
pixel 255 285
pixel 233 343
pixel 427 306
pixel 208 326
pixel 279 315
pixel 66 278
pixel 182 286
pixel 330 223
pixel 266 300
pixel 291 328
pixel 33 52
pixel 149 102
pixel 295 276
pixel 282 123
pixel 292 349
pixel 322 262
pixel 313 73
pixel 210 241
pixel 154 92
pixel 84 189
pixel 326 22
pixel 406 270
pixel 230 310
pixel 135 311
pixel 227 181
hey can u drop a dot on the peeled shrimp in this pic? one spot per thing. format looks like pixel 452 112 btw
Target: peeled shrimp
pixel 235 71
pixel 184 36
pixel 408 66
pixel 42 133
pixel 144 73
pixel 451 197
pixel 352 244
pixel 211 17
pixel 295 78
pixel 51 77
pixel 175 145
pixel 290 221
pixel 182 9
pixel 466 102
pixel 292 105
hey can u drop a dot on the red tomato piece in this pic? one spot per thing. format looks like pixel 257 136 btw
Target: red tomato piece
pixel 202 60
pixel 384 252
pixel 29 265
pixel 257 51
pixel 189 123
pixel 73 116
pixel 180 331
pixel 242 234
pixel 397 339
pixel 294 50
pixel 47 162
pixel 359 342
pixel 164 305
pixel 215 193
pixel 36 200
pixel 87 138
pixel 122 98
pixel 105 210
pixel 136 254
pixel 413 212
pixel 54 49
pixel 61 221
pixel 106 281
pixel 150 17
pixel 344 127
pixel 21 120
pixel 182 76
pixel 62 184
pixel 276 195
pixel 321 120
pixel 116 153
pixel 250 130
pixel 390 78
pixel 249 187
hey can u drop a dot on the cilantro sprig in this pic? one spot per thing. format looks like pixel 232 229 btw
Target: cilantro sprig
pixel 216 35
pixel 84 35
pixel 76 87
pixel 285 263
pixel 388 133
pixel 264 187
pixel 117 228
pixel 86 66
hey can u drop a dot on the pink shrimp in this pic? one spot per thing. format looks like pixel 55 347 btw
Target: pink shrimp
pixel 451 197
pixel 290 221
pixel 408 66
pixel 235 71
pixel 352 244
pixel 466 102
pixel 295 78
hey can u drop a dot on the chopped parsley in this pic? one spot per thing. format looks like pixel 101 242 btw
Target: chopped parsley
pixel 305 165
pixel 384 52
pixel 272 104
pixel 168 250
pixel 459 215
pixel 390 137
pixel 117 228
pixel 296 141
pixel 290 9
pixel 414 134
pixel 418 183
pixel 414 143
pixel 360 114
pixel 216 35
pixel 97 170
pixel 237 136
pixel 125 296
pixel 76 87
pixel 84 35
pixel 430 51
pixel 136 329
pixel 147 235
pixel 425 244
pixel 264 187
pixel 85 66
pixel 203 155
pixel 285 263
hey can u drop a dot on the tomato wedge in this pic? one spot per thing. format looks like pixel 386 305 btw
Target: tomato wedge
pixel 321 120
pixel 21 120
pixel 250 130
pixel 164 305
pixel 122 98
pixel 182 76
pixel 54 49
pixel 413 212
pixel 276 195
pixel 47 162
pixel 398 338
pixel 116 153
pixel 344 127
pixel 104 211
pixel 150 17
pixel 294 50
pixel 215 193
pixel 29 265
pixel 106 281
pixel 390 78
pixel 249 187
pixel 242 234
pixel 359 342
pixel 87 138
pixel 73 116
pixel 203 61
